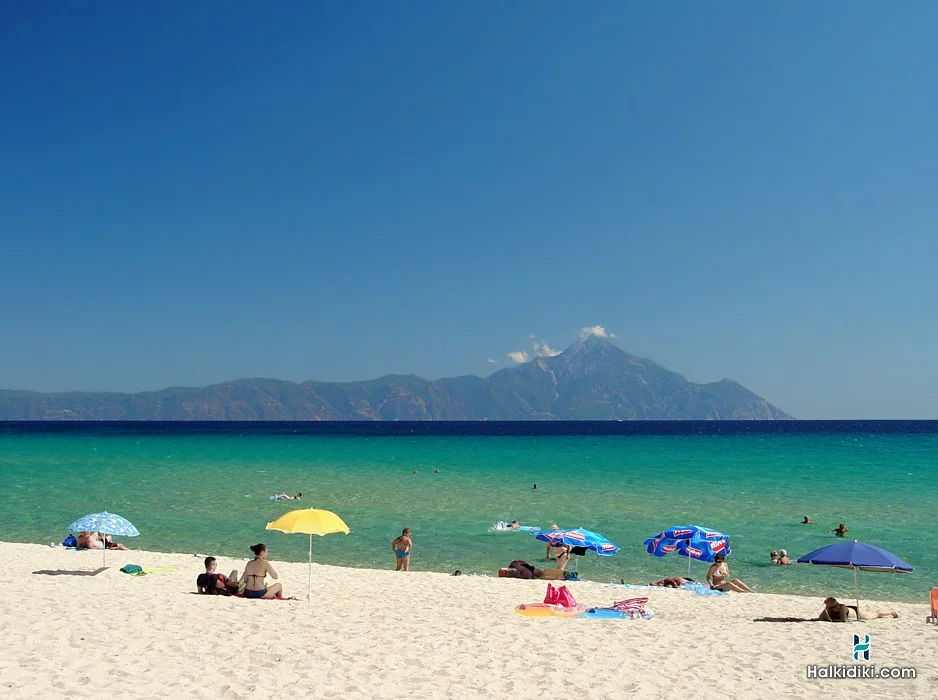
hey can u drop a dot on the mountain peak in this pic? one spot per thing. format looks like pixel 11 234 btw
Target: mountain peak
pixel 593 379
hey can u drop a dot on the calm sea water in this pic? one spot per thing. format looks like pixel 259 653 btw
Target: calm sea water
pixel 205 487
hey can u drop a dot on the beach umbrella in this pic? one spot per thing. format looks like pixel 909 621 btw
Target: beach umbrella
pixel 309 521
pixel 106 523
pixel 858 556
pixel 691 541
pixel 578 537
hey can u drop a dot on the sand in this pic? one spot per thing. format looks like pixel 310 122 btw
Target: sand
pixel 382 634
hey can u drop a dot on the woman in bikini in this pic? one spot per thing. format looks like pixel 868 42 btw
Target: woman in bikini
pixel 838 612
pixel 719 577
pixel 401 546
pixel 254 573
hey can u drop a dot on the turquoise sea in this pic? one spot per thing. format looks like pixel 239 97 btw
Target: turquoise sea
pixel 209 493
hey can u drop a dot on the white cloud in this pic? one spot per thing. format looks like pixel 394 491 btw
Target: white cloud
pixel 542 349
pixel 598 331
pixel 539 348
pixel 492 362
pixel 519 357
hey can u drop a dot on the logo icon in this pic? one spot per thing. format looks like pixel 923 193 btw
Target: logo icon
pixel 861 648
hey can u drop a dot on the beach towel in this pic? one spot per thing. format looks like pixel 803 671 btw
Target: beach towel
pixel 135 570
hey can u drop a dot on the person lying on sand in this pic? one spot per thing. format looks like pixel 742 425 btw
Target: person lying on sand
pixel 254 573
pixel 672 582
pixel 521 569
pixel 838 612
pixel 719 577
pixel 215 583
pixel 96 540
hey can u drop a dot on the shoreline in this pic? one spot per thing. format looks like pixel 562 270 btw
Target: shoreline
pixel 183 558
pixel 74 631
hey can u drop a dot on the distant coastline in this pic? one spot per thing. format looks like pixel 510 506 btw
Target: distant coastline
pixel 472 428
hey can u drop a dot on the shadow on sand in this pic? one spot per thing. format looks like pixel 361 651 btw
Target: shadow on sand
pixel 787 619
pixel 64 572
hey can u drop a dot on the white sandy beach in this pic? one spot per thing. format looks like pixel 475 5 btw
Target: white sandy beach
pixel 381 634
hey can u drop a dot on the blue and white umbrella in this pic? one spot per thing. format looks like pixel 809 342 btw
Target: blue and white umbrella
pixel 578 537
pixel 106 523
pixel 690 541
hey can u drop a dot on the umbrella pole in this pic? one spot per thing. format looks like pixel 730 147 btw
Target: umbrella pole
pixel 309 578
pixel 105 552
pixel 856 592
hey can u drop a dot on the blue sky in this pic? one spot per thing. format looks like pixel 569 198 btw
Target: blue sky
pixel 195 192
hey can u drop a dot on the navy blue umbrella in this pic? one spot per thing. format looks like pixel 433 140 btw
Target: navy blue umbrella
pixel 858 556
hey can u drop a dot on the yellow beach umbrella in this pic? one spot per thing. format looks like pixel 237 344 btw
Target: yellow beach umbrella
pixel 309 521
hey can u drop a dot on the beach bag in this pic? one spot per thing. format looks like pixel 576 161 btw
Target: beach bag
pixel 551 597
pixel 131 569
pixel 70 541
pixel 565 598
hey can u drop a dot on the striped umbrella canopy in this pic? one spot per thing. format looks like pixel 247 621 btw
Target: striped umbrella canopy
pixel 106 523
pixel 691 541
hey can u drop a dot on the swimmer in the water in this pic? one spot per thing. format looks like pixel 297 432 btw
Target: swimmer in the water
pixel 535 486
pixel 807 521
pixel 436 471
pixel 414 471
pixel 285 497
pixel 840 530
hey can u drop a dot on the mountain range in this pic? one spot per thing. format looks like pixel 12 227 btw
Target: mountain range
pixel 591 380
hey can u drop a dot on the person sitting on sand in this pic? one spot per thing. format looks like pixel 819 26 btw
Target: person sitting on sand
pixel 840 530
pixel 254 573
pixel 719 577
pixel 807 521
pixel 783 559
pixel 773 556
pixel 402 546
pixel 672 582
pixel 215 583
pixel 838 612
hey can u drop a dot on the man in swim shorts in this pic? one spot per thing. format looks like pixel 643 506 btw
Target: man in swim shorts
pixel 402 546
pixel 214 583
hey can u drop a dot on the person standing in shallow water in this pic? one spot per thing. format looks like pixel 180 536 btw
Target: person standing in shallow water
pixel 402 546
pixel 840 530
